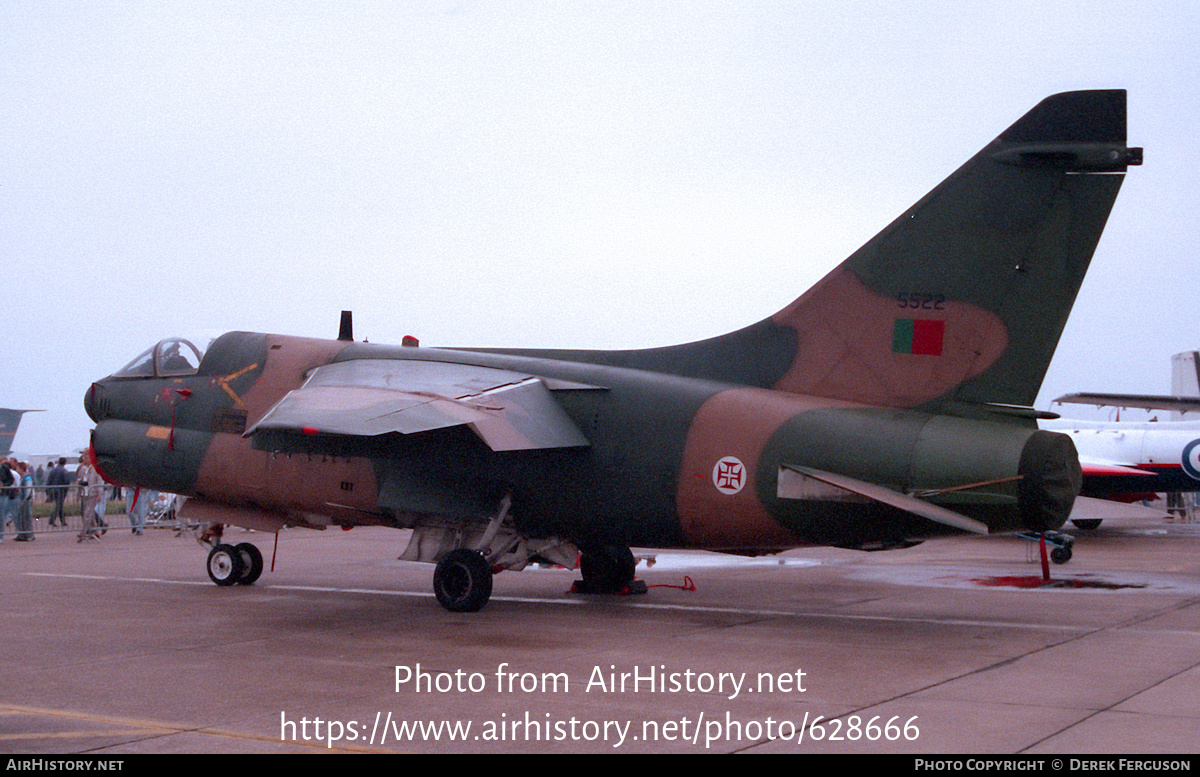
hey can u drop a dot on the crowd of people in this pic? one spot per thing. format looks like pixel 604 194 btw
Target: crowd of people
pixel 20 483
pixel 16 498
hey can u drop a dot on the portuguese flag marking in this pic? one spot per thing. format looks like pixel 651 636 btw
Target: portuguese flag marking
pixel 922 337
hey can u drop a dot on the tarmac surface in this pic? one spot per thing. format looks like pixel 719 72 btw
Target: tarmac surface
pixel 123 646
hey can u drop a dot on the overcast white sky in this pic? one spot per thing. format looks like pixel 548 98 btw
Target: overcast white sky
pixel 560 174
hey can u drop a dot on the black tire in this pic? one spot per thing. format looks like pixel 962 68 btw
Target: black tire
pixel 462 581
pixel 1087 524
pixel 607 568
pixel 224 565
pixel 252 563
pixel 1061 555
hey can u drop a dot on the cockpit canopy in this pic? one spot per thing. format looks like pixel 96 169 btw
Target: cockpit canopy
pixel 171 357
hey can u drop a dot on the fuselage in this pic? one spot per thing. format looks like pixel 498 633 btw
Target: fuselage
pixel 669 460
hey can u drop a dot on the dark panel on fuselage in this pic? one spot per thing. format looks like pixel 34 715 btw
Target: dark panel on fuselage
pixel 757 355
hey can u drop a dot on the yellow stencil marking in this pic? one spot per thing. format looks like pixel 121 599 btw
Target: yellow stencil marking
pixel 224 383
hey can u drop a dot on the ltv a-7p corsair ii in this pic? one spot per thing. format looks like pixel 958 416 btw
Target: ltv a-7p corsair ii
pixel 891 402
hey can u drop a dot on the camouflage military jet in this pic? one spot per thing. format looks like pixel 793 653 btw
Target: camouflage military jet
pixel 889 403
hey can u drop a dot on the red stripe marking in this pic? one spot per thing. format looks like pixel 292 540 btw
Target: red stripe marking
pixel 927 337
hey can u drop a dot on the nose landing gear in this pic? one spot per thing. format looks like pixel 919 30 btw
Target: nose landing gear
pixel 240 564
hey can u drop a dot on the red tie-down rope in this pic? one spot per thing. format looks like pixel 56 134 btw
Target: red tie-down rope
pixel 688 585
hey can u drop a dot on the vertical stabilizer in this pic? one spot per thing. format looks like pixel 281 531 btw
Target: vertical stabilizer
pixel 963 297
pixel 9 421
pixel 1185 380
pixel 961 300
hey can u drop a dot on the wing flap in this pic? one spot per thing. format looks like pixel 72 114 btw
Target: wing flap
pixel 524 416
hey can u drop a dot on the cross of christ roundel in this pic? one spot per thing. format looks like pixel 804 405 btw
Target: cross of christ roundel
pixel 729 475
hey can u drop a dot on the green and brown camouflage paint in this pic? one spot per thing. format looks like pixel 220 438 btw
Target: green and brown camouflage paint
pixel 910 368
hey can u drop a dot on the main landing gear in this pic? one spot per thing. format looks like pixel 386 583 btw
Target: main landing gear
pixel 462 580
pixel 469 554
pixel 608 569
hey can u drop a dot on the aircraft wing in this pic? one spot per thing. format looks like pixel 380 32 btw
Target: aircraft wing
pixel 1089 508
pixel 1145 401
pixel 366 398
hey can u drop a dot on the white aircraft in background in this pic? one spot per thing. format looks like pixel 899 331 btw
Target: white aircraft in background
pixel 1130 461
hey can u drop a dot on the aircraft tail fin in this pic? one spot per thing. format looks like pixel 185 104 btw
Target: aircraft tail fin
pixel 1185 378
pixel 962 298
pixel 958 302
pixel 10 420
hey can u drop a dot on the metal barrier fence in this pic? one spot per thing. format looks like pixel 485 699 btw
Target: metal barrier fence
pixel 160 510
pixel 41 503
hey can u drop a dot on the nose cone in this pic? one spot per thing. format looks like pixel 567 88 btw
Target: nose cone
pixel 92 403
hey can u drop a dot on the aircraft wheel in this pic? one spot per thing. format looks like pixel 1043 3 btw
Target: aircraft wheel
pixel 1061 555
pixel 607 568
pixel 462 581
pixel 1087 524
pixel 224 564
pixel 252 563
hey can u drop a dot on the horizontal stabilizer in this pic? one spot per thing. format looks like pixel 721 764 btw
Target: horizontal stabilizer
pixel 366 398
pixel 1072 131
pixel 895 499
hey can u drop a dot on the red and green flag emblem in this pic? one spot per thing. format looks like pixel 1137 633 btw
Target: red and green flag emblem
pixel 922 337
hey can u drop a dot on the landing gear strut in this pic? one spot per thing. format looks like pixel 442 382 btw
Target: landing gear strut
pixel 469 554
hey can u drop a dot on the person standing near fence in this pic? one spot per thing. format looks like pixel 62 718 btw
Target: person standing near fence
pixel 136 500
pixel 56 483
pixel 24 520
pixel 8 490
pixel 91 489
